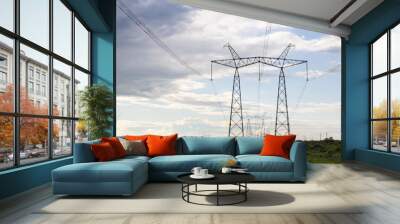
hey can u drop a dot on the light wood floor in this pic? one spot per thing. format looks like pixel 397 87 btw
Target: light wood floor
pixel 377 188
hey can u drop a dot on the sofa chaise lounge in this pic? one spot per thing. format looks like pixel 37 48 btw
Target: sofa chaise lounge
pixel 125 176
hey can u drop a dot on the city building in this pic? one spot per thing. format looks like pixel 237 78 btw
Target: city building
pixel 34 81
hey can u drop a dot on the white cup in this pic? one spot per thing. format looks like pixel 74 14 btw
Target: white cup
pixel 226 170
pixel 196 171
pixel 203 172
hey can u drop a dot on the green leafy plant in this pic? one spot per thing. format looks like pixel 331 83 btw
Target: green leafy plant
pixel 96 102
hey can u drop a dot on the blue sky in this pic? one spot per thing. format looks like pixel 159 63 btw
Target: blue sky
pixel 155 94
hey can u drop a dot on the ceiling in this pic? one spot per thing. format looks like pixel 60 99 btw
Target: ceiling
pixel 325 16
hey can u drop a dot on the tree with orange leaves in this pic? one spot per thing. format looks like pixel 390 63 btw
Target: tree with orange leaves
pixel 33 131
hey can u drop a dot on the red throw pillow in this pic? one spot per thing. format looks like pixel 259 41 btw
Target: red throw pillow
pixel 161 145
pixel 103 152
pixel 116 145
pixel 277 145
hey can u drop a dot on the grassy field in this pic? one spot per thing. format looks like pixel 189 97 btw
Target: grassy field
pixel 325 151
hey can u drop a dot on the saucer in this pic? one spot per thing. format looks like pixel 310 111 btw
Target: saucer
pixel 208 176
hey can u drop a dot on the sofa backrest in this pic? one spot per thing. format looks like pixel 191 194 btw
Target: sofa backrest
pixel 83 152
pixel 248 145
pixel 192 145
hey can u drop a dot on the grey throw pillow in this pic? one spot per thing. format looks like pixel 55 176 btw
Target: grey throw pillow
pixel 137 148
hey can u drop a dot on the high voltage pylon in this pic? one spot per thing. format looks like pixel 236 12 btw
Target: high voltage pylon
pixel 282 125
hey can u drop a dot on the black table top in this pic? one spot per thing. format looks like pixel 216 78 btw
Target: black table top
pixel 220 178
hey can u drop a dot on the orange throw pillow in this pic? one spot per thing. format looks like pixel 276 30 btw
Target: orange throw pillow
pixel 161 145
pixel 277 145
pixel 116 145
pixel 136 137
pixel 103 152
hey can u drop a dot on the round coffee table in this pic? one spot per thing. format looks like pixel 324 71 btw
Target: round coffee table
pixel 238 179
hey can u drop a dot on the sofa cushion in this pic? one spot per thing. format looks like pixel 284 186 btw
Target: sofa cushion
pixel 103 152
pixel 134 147
pixel 185 163
pixel 136 137
pixel 257 163
pixel 195 145
pixel 277 145
pixel 116 145
pixel 133 158
pixel 112 171
pixel 161 145
pixel 248 145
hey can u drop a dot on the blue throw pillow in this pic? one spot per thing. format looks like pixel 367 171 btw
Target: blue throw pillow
pixel 194 145
pixel 249 145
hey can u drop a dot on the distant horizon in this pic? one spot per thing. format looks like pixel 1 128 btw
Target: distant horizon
pixel 156 94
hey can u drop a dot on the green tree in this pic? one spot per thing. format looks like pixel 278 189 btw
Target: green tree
pixel 97 109
pixel 380 127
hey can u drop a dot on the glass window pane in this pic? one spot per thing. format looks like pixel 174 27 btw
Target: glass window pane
pixel 379 135
pixel 395 94
pixel 34 72
pixel 379 55
pixel 81 131
pixel 33 139
pixel 6 142
pixel 35 21
pixel 81 45
pixel 62 29
pixel 395 47
pixel 6 74
pixel 62 89
pixel 62 138
pixel 379 98
pixel 81 82
pixel 7 14
pixel 395 136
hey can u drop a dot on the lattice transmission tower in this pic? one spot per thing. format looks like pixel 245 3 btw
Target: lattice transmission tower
pixel 282 125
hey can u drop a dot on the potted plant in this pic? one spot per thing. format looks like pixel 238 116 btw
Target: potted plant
pixel 96 102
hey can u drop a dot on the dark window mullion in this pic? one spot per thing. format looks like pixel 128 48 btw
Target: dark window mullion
pixel 389 100
pixel 50 87
pixel 16 84
pixel 371 137
pixel 73 82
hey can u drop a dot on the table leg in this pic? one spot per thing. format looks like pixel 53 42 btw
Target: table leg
pixel 188 190
pixel 182 190
pixel 217 194
pixel 195 188
pixel 245 193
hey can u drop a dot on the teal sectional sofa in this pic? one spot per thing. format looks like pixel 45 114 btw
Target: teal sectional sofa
pixel 125 176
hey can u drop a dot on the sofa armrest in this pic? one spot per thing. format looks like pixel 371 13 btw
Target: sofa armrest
pixel 298 155
pixel 83 152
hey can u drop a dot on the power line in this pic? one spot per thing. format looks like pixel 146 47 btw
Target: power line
pixel 134 18
pixel 154 37
pixel 261 71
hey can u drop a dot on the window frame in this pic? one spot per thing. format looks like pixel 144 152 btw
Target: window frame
pixel 388 74
pixel 16 114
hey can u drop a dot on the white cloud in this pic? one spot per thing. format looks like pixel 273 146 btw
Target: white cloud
pixel 315 74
